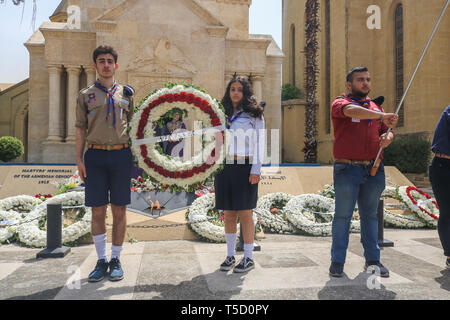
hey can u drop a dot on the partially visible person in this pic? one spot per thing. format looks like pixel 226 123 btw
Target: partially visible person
pixel 174 148
pixel 440 179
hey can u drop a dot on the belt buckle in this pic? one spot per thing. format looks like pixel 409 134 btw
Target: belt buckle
pixel 109 147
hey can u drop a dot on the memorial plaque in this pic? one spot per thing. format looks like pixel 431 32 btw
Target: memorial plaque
pixel 31 180
pixel 311 179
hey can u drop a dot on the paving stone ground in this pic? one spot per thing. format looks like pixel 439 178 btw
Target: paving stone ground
pixel 288 267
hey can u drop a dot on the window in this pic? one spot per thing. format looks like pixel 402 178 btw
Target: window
pixel 399 70
pixel 292 60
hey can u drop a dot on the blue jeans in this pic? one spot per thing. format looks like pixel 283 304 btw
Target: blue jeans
pixel 353 183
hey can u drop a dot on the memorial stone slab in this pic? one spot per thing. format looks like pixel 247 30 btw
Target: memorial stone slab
pixel 33 179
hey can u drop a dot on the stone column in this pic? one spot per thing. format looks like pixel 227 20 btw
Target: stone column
pixel 54 103
pixel 73 75
pixel 257 87
pixel 91 75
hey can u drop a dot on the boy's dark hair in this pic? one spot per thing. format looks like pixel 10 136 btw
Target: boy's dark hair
pixel 355 70
pixel 105 50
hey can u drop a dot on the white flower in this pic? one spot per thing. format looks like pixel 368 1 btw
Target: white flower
pixel 21 203
pixel 302 211
pixel 422 201
pixel 30 234
pixel 275 223
pixel 175 164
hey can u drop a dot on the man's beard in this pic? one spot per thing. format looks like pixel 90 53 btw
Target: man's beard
pixel 359 94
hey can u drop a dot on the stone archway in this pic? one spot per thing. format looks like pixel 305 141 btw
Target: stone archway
pixel 20 129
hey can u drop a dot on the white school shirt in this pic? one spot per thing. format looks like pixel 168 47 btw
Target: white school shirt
pixel 248 139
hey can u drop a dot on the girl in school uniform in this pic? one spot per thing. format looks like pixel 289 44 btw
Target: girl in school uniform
pixel 236 187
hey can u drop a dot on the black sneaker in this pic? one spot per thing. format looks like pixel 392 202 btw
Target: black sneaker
pixel 99 272
pixel 228 264
pixel 115 270
pixel 245 265
pixel 384 273
pixel 337 269
pixel 447 263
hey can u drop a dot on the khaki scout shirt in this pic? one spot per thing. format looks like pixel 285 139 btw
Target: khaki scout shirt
pixel 91 114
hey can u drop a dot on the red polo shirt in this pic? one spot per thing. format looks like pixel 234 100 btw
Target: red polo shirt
pixel 355 139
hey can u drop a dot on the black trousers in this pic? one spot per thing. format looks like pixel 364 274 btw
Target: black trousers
pixel 440 181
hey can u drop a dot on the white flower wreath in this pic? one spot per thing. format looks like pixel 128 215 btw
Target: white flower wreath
pixel 8 218
pixel 21 204
pixel 173 171
pixel 425 207
pixel 274 222
pixel 199 212
pixel 302 212
pixel 31 235
pixel 399 220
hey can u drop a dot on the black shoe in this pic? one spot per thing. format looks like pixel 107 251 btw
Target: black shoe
pixel 447 263
pixel 337 269
pixel 384 273
pixel 228 264
pixel 99 272
pixel 245 265
pixel 115 270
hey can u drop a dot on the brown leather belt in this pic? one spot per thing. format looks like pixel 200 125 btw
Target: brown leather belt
pixel 364 162
pixel 441 155
pixel 112 147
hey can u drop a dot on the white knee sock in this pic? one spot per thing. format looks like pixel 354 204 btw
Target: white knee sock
pixel 115 251
pixel 248 250
pixel 231 243
pixel 100 246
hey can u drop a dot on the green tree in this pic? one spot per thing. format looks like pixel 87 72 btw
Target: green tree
pixel 311 50
pixel 10 148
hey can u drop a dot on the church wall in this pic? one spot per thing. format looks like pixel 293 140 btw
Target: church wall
pixel 353 44
pixel 13 110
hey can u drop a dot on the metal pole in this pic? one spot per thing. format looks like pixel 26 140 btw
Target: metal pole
pixel 54 234
pixel 240 242
pixel 381 241
pixel 415 71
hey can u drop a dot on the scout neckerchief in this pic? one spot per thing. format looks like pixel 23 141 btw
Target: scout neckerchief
pixel 111 103
pixel 365 103
pixel 233 118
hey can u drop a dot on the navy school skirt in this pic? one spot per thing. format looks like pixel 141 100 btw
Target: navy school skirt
pixel 233 190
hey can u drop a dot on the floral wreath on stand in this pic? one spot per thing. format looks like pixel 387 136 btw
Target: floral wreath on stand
pixel 163 169
pixel 33 233
pixel 392 219
pixel 313 214
pixel 420 203
pixel 271 212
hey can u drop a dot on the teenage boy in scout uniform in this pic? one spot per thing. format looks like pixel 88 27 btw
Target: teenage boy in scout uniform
pixel 103 112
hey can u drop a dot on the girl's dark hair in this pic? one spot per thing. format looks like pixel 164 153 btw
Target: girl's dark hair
pixel 248 103
pixel 105 50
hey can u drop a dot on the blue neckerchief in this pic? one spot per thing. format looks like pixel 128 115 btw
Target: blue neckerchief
pixel 233 118
pixel 365 103
pixel 111 102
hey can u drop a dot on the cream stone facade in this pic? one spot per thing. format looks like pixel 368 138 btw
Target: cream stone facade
pixel 203 42
pixel 14 112
pixel 391 54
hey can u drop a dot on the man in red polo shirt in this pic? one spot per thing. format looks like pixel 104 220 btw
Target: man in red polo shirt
pixel 360 128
